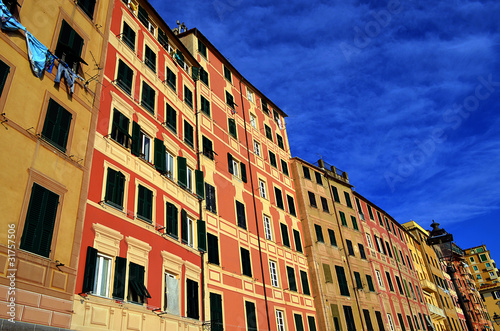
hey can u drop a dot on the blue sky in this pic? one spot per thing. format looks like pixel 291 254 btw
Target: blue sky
pixel 401 94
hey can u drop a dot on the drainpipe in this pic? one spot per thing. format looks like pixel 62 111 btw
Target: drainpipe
pixel 254 207
pixel 346 256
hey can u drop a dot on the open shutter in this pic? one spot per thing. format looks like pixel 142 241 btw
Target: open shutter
pixel 89 274
pixel 195 73
pixel 172 220
pixel 4 72
pixel 136 139
pixel 184 226
pixel 182 171
pixel 230 163
pixel 119 280
pixel 328 273
pixel 243 172
pixel 160 156
pixel 200 185
pixel 202 236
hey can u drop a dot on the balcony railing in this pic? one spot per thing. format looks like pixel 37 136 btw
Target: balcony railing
pixel 436 313
pixel 429 286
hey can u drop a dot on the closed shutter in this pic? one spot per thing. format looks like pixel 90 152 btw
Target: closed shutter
pixel 69 41
pixel 4 73
pixel 362 251
pixel 298 242
pixel 192 299
pixel 128 36
pixel 143 16
pixel 359 283
pixel 162 38
pixel 40 219
pixel 299 325
pixel 172 117
pixel 333 240
pixel 368 320
pixel 57 124
pixel 335 194
pixel 369 281
pixel 184 226
pixel 401 321
pixel 195 73
pixel 188 134
pixel 150 58
pixel 344 288
pixel 243 172
pixel 349 318
pixel 251 318
pixel 279 198
pixel 312 323
pixel 160 156
pixel 182 171
pixel 328 273
pixel 89 273
pixel 172 220
pixel 305 282
pixel 202 236
pixel 171 79
pixel 200 184
pixel 245 262
pixel 216 317
pixel 292 285
pixel 145 203
pixel 291 205
pixel 119 280
pixel 124 77
pixel 284 235
pixel 240 215
pixel 269 133
pixel 342 218
pixel 380 321
pixel 213 248
pixel 232 127
pixel 230 163
pixel 136 139
pixel 88 7
pixel 148 98
pixel 319 233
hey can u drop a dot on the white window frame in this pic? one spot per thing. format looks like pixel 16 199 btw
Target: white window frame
pixel 391 323
pixel 170 165
pixel 267 227
pixel 476 269
pixel 379 278
pixel 280 320
pixel 253 121
pixel 236 168
pixel 262 189
pixel 250 95
pixel 145 148
pixel 256 148
pixel 273 271
pixel 369 240
pixel 189 179
pixel 190 232
pixel 496 295
pixel 472 259
pixel 99 275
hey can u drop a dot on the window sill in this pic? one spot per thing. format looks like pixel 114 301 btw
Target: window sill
pixel 114 206
pixel 144 219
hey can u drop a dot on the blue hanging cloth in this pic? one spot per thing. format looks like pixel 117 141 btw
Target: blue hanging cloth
pixel 9 22
pixel 37 53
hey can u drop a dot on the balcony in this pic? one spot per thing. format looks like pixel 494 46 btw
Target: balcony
pixel 361 216
pixel 493 277
pixel 489 268
pixel 428 286
pixel 436 313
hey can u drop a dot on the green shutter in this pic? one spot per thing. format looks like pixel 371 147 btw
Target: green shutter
pixel 119 280
pixel 213 248
pixel 305 283
pixel 148 97
pixel 370 283
pixel 298 242
pixel 335 194
pixel 143 16
pixel 269 133
pixel 171 79
pixel 4 73
pixel 216 317
pixel 89 273
pixel 230 163
pixel 333 240
pixel 341 278
pixel 319 233
pixel 150 58
pixel 182 171
pixel 160 156
pixel 202 236
pixel 188 134
pixel 243 172
pixel 312 323
pixel 245 262
pixel 184 226
pixel 359 283
pixel 328 273
pixel 232 127
pixel 195 73
pixel 57 124
pixel 40 219
pixel 162 38
pixel 292 285
pixel 124 77
pixel 251 319
pixel 145 203
pixel 354 223
pixel 136 139
pixel 284 235
pixel 171 118
pixel 342 218
pixel 69 41
pixel 172 220
pixel 299 325
pixel 200 184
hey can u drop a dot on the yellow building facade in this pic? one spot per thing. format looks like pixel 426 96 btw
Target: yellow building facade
pixel 46 125
pixel 482 266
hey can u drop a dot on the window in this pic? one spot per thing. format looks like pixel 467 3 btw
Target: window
pixel 327 272
pixel 342 280
pixel 115 187
pixel 279 141
pixel 279 198
pixel 291 205
pixel 369 240
pixel 172 220
pixel 169 165
pixel 69 46
pixel 188 96
pixel 102 275
pixel 370 212
pixel 57 125
pixel 269 133
pixel 400 288
pixel 202 49
pixel 284 235
pixel 307 173
pixel 354 223
pixel 124 77
pixel 171 79
pixel 335 194
pixel 319 233
pixel 256 148
pixel 274 274
pixel 496 295
pixel 119 129
pixel 349 318
pixel 205 106
pixel 479 277
pixel 150 58
pixel 388 249
pixel 88 7
pixel 192 299
pixel 350 249
pixel 298 242
pixel 246 265
pixel 251 318
pixel 342 218
pixel 359 283
pixel 348 199
pixel 265 108
pixel 402 322
pixel 230 100
pixel 227 74
pixel 171 294
pixel 284 167
pixel 187 229
pixel 235 166
pixel 368 320
pixel 280 321
pixel 232 128
pixel 318 178
pixel 141 143
pixel 324 203
pixel 210 198
pixel 312 199
pixel 299 326
pixel 207 148
pixel 389 281
pixel 379 278
pixel 144 204
pixel 472 259
pixel 148 98
pixel 483 257
pixel 292 285
pixel 272 159
pixel 312 323
pixel 128 36
pixel 213 248
pixel 267 227
pixel 475 268
pixel 391 323
pixel 188 134
pixel 369 281
pixel 305 282
pixel 216 317
pixel 333 240
pixel 204 76
pixel 240 215
pixel 137 292
pixel 171 121
pixel 253 121
pixel 162 39
pixel 362 251
pixel 250 95
pixel 262 189
pixel 276 115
